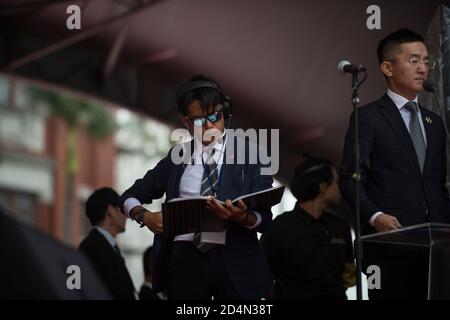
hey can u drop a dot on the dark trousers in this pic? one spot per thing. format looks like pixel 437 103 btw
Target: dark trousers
pixel 194 275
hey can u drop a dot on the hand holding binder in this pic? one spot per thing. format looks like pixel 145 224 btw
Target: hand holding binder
pixel 186 215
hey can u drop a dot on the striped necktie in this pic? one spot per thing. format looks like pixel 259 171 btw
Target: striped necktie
pixel 415 131
pixel 208 187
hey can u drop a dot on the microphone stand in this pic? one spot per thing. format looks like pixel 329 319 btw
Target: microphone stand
pixel 357 180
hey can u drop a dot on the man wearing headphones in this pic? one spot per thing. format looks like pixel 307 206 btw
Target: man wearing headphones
pixel 220 265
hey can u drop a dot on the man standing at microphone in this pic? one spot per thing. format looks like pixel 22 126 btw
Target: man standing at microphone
pixel 402 145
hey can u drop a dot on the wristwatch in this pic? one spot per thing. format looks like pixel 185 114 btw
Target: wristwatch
pixel 244 221
pixel 139 217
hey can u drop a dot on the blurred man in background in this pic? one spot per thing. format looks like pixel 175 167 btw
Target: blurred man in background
pixel 147 292
pixel 100 246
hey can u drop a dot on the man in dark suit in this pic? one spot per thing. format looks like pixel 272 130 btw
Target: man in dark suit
pixel 100 246
pixel 402 144
pixel 403 152
pixel 147 292
pixel 223 265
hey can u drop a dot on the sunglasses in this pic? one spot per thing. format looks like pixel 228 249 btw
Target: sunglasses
pixel 212 117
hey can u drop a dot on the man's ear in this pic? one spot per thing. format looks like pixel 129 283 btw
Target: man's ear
pixel 323 187
pixel 110 210
pixel 386 68
pixel 185 121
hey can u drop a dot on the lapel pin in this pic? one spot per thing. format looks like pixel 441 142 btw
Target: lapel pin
pixel 428 120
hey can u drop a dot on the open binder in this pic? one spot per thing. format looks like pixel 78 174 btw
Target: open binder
pixel 186 215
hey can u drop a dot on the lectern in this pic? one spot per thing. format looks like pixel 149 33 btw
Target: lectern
pixel 413 262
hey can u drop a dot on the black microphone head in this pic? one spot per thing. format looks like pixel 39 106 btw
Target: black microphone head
pixel 341 66
pixel 429 85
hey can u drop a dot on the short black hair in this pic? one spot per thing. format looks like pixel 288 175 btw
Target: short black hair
pixel 392 41
pixel 147 262
pixel 308 175
pixel 98 202
pixel 207 97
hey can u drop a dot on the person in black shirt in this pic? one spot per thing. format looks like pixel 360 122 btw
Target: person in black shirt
pixel 308 249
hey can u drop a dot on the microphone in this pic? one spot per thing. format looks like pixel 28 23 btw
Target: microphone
pixel 429 86
pixel 347 67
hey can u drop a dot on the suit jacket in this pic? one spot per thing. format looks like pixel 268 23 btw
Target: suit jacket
pixel 391 178
pixel 109 265
pixel 147 293
pixel 242 255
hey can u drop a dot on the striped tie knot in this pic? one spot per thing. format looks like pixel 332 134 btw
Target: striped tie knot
pixel 411 106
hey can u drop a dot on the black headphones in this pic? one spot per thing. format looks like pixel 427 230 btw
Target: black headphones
pixel 191 86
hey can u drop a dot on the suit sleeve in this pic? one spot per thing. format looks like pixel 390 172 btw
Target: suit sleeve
pixel 152 185
pixel 366 140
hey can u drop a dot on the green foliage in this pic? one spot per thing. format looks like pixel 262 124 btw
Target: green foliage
pixel 97 121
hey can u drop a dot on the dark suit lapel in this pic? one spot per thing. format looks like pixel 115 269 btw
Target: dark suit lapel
pixel 393 116
pixel 431 131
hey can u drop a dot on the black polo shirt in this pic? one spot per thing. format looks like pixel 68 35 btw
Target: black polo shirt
pixel 307 256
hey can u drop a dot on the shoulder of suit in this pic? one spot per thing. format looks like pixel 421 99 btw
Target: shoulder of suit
pixel 86 242
pixel 181 148
pixel 94 238
pixel 91 235
pixel 371 107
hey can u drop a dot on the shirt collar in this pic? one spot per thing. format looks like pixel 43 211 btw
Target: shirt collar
pixel 107 235
pixel 399 100
pixel 305 216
